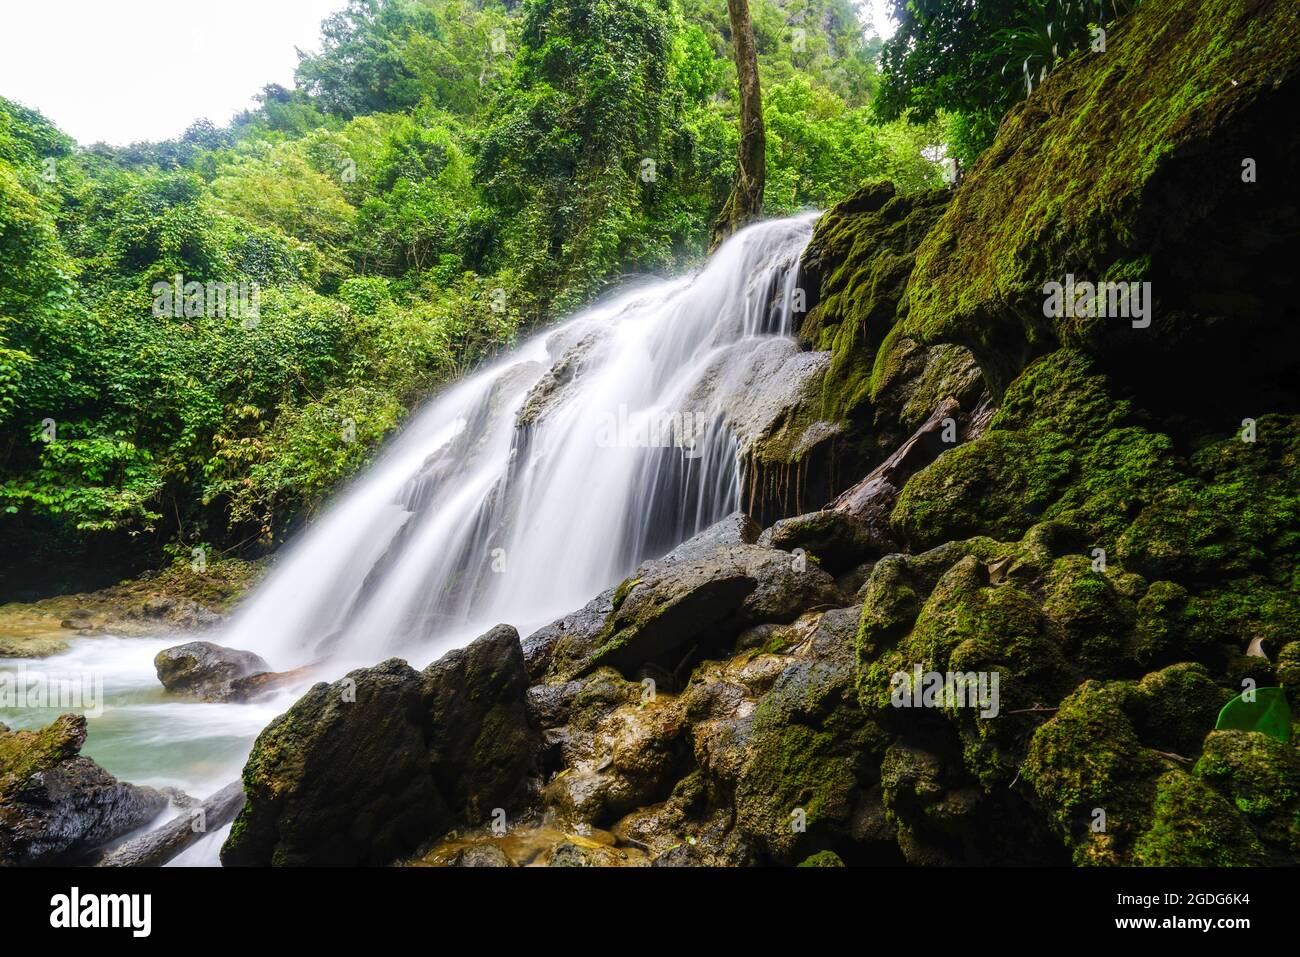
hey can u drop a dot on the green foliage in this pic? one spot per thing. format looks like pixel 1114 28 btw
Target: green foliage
pixel 445 175
pixel 363 66
pixel 1267 712
pixel 976 60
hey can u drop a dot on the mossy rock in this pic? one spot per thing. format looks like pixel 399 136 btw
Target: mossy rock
pixel 1088 759
pixel 857 265
pixel 1061 446
pixel 822 859
pixel 1118 166
pixel 1192 826
pixel 1261 777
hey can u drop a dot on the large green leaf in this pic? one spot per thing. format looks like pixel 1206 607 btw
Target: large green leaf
pixel 1267 713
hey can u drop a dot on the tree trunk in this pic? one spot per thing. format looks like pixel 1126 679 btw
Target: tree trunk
pixel 746 200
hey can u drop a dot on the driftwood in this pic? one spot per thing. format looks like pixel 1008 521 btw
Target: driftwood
pixel 162 844
pixel 872 499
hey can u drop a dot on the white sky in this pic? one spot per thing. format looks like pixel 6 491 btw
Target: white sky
pixel 126 70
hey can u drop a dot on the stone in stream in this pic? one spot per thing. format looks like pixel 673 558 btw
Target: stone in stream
pixel 56 806
pixel 205 670
pixel 213 673
pixel 163 844
pixel 364 771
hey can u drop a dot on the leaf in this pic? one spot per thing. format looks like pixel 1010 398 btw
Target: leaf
pixel 1268 714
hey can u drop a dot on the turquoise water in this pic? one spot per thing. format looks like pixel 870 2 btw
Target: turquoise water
pixel 136 730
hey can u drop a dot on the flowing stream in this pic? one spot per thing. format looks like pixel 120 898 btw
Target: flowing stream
pixel 514 496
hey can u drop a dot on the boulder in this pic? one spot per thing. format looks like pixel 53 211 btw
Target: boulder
pixel 836 540
pixel 694 600
pixel 482 748
pixel 365 770
pixel 57 807
pixel 342 778
pixel 205 670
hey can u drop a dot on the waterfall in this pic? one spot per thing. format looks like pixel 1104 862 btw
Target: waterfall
pixel 524 490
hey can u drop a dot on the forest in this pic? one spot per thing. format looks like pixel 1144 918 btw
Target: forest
pixel 444 177
pixel 671 433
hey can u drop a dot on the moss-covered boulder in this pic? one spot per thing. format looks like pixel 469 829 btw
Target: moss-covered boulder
pixel 1116 798
pixel 880 383
pixel 1261 777
pixel 1062 445
pixel 57 806
pixel 1127 165
pixel 856 268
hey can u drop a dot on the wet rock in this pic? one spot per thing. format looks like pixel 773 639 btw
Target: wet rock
pixel 481 855
pixel 342 778
pixel 364 770
pixel 575 630
pixel 481 744
pixel 694 600
pixel 56 806
pixel 205 670
pixel 836 540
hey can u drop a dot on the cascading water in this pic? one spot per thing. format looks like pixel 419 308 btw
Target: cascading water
pixel 528 488
pixel 515 496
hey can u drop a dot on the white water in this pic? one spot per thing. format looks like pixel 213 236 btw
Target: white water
pixel 467 519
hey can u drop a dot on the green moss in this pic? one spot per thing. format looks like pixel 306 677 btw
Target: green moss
pixel 24 753
pixel 621 592
pixel 1066 185
pixel 1192 826
pixel 1088 758
pixel 1161 624
pixel 794 768
pixel 862 254
pixel 822 859
pixel 1087 616
pixel 1261 777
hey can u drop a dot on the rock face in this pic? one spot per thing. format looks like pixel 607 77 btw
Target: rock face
pixel 1128 165
pixel 56 806
pixel 205 670
pixel 692 601
pixel 365 770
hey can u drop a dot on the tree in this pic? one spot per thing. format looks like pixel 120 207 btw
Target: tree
pixel 978 59
pixel 746 200
pixel 363 66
